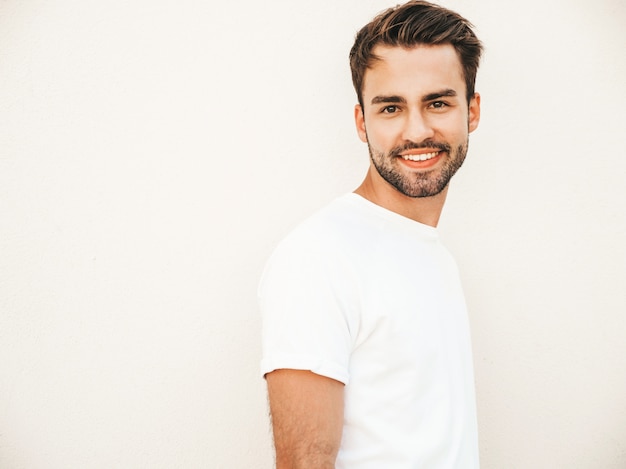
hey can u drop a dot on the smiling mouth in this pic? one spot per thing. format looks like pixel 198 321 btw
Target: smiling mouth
pixel 421 157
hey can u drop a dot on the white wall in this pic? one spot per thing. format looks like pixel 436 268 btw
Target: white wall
pixel 153 152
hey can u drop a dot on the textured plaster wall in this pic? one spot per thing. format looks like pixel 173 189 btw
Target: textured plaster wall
pixel 153 152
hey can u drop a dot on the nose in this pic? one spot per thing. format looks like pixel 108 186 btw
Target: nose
pixel 417 127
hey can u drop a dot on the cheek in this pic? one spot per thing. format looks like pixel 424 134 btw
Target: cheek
pixel 383 135
pixel 454 128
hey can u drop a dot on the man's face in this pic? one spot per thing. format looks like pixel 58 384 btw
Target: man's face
pixel 415 117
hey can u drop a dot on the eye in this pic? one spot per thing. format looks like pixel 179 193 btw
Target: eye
pixel 439 106
pixel 389 109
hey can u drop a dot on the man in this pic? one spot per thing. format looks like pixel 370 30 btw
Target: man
pixel 366 346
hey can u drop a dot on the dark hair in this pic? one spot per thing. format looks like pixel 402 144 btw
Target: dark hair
pixel 413 23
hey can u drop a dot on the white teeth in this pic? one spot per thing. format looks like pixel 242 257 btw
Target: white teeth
pixel 422 157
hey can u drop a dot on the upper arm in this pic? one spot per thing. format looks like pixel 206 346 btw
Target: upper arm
pixel 307 418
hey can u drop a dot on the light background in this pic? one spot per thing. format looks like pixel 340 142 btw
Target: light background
pixel 153 152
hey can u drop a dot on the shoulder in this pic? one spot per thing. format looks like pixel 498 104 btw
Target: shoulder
pixel 330 228
pixel 320 247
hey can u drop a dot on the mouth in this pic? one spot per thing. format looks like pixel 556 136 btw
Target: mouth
pixel 420 156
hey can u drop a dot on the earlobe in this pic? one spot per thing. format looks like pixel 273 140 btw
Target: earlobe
pixel 474 112
pixel 359 120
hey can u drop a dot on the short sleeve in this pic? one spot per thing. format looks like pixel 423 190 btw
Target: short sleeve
pixel 308 311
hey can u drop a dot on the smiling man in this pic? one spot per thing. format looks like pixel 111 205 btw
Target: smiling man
pixel 366 345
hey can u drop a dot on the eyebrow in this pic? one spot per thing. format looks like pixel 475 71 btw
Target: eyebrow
pixel 388 99
pixel 448 93
pixel 393 99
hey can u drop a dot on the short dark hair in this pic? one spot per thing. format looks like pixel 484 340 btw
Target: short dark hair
pixel 413 23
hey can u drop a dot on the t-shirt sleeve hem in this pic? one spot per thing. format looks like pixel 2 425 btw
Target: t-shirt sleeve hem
pixel 318 366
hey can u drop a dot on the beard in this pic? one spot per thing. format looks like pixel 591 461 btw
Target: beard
pixel 418 183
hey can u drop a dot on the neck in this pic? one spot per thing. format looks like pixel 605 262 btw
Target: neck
pixel 425 210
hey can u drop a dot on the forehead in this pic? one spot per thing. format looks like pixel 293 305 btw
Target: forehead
pixel 420 70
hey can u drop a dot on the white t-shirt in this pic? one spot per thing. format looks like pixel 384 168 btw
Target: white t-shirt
pixel 370 298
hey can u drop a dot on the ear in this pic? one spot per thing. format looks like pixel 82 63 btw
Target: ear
pixel 474 112
pixel 359 120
